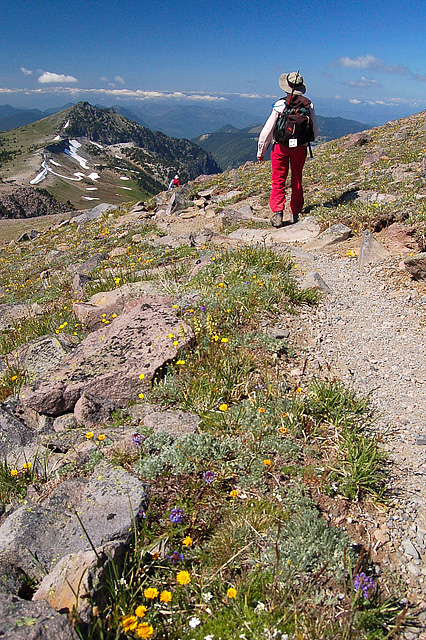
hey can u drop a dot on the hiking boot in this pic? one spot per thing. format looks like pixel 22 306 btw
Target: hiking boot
pixel 295 218
pixel 277 219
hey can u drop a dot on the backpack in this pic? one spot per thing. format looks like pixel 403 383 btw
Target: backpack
pixel 294 123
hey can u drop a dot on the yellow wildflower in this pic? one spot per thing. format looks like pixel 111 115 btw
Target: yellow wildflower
pixel 231 593
pixel 150 593
pixel 183 577
pixel 267 462
pixel 27 465
pixel 140 611
pixel 141 376
pixel 129 622
pixel 223 407
pixel 187 542
pixel 89 435
pixel 101 436
pixel 144 630
pixel 165 596
pixel 14 472
pixel 234 493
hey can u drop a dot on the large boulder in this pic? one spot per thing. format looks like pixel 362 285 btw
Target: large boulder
pixel 401 238
pixel 43 354
pixel 336 233
pixel 110 361
pixel 78 515
pixel 23 620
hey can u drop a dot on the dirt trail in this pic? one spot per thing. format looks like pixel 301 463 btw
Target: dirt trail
pixel 370 331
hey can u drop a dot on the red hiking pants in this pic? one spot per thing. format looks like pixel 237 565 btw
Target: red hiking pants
pixel 281 158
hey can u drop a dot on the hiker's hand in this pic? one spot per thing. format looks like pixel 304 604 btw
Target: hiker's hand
pixel 260 160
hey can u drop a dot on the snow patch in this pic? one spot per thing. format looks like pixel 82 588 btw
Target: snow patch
pixel 67 124
pixel 55 163
pixel 124 178
pixel 93 176
pixel 57 137
pixel 40 176
pixel 91 188
pixel 87 198
pixel 72 152
pixel 127 188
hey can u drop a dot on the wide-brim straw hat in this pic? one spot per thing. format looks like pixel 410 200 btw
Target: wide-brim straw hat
pixel 292 82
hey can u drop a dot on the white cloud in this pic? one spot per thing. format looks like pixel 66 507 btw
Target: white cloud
pixel 26 72
pixel 363 82
pixel 47 77
pixel 354 101
pixel 371 62
pixel 119 80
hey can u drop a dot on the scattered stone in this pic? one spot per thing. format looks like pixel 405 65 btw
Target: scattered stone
pixel 65 422
pixel 371 251
pixel 176 203
pixel 358 140
pixel 373 157
pixel 88 265
pixel 278 334
pixel 13 580
pixel 54 255
pixel 106 505
pixel 109 361
pixel 303 231
pixel 25 620
pixel 79 282
pixel 84 573
pixel 337 233
pixel 90 411
pixel 14 434
pixel 313 280
pixel 27 236
pixel 175 423
pixel 117 252
pixel 410 549
pixel 402 238
pixel 368 197
pixel 416 266
pixel 94 213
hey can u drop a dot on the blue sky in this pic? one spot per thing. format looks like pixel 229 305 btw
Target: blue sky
pixel 365 61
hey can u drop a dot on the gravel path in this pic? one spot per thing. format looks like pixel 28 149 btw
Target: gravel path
pixel 370 332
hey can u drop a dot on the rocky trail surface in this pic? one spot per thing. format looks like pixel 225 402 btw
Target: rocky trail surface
pixel 369 331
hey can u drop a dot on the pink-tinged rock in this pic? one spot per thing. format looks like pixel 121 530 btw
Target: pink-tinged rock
pixel 101 306
pixel 401 239
pixel 109 362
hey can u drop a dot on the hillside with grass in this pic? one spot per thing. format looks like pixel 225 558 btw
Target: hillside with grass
pixel 85 155
pixel 183 469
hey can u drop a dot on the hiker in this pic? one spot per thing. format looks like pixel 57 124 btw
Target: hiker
pixel 289 146
pixel 174 183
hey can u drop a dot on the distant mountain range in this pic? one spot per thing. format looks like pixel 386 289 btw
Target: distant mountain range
pixel 86 154
pixel 232 147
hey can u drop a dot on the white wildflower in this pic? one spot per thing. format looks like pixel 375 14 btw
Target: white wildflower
pixel 194 622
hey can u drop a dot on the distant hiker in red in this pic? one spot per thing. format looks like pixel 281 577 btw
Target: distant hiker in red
pixel 291 126
pixel 174 184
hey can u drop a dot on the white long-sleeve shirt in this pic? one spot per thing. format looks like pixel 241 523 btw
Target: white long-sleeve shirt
pixel 266 135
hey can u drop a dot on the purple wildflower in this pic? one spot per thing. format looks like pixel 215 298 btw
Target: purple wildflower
pixel 176 515
pixel 137 439
pixel 175 557
pixel 141 513
pixel 209 476
pixel 203 308
pixel 365 583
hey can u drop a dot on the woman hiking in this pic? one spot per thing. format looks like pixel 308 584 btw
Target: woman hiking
pixel 289 144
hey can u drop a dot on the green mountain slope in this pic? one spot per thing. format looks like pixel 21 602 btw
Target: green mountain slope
pixel 86 154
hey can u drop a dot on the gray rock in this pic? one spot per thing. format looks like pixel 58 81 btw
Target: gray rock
pixel 336 233
pixel 109 362
pixel 106 506
pixel 41 355
pixel 372 158
pixel 416 266
pixel 94 213
pixel 371 251
pixel 414 569
pixel 313 280
pixel 84 573
pixel 368 197
pixel 9 313
pixel 13 580
pixel 176 203
pixel 88 265
pixel 64 423
pixel 409 549
pixel 278 334
pixel 90 411
pixel 358 140
pixel 53 255
pixel 24 620
pixel 79 282
pixel 176 423
pixel 14 434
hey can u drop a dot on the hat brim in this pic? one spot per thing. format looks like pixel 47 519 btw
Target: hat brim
pixel 286 87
